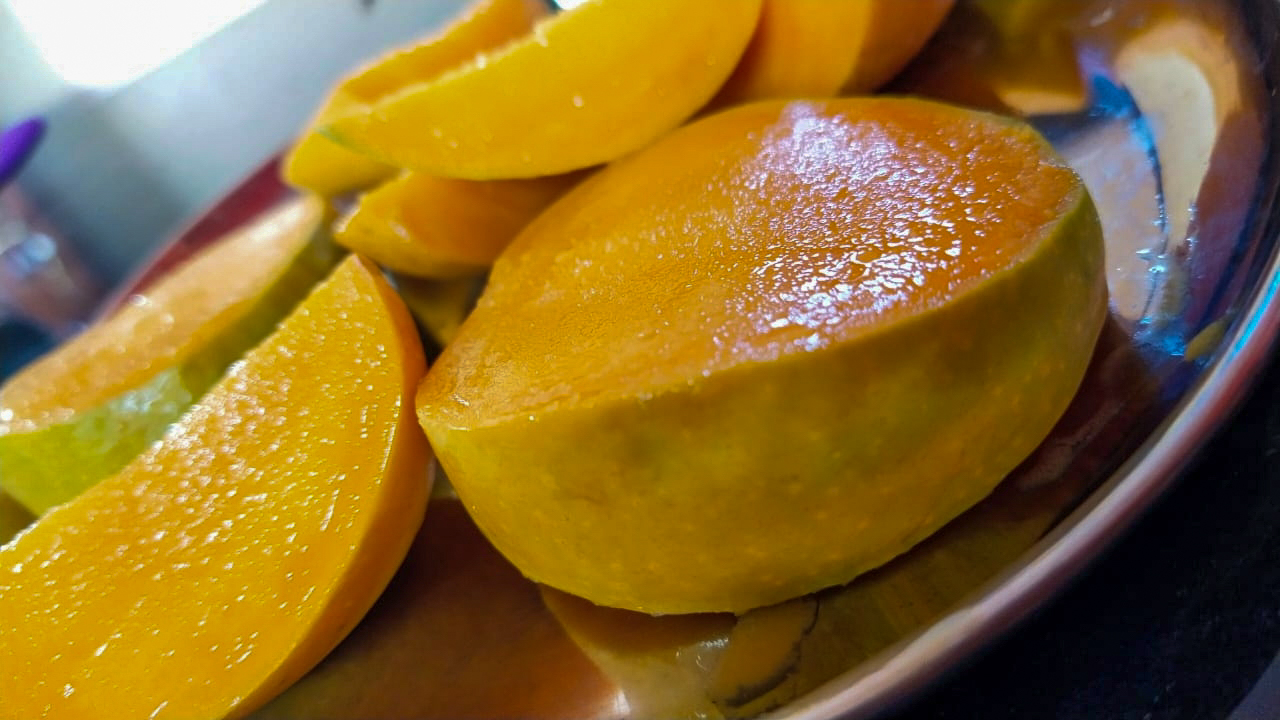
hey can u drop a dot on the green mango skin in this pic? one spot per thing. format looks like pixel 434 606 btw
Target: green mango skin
pixel 60 461
pixel 854 622
pixel 773 480
pixel 14 518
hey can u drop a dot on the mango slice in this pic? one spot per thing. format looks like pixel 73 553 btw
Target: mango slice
pixel 83 411
pixel 322 166
pixel 895 33
pixel 222 564
pixel 814 48
pixel 587 86
pixel 438 227
pixel 789 331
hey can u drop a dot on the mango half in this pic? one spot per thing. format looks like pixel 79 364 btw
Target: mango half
pixel 770 352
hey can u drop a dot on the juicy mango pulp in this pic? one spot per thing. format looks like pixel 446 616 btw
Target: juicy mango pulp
pixel 219 566
pixel 429 226
pixel 83 411
pixel 813 231
pixel 586 87
pixel 163 326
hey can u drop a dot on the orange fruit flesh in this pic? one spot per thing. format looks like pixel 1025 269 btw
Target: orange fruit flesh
pixel 161 327
pixel 897 31
pixel 321 165
pixel 486 25
pixel 801 48
pixel 816 48
pixel 584 88
pixel 818 230
pixel 430 226
pixel 220 565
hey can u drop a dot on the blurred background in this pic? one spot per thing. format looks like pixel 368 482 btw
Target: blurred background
pixel 147 122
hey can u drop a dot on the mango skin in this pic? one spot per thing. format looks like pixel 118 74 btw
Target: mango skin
pixel 770 480
pixel 49 465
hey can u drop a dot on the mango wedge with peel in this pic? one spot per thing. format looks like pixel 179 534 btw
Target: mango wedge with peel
pixel 83 411
pixel 226 561
pixel 318 165
pixel 324 167
pixel 814 48
pixel 587 86
pixel 770 352
pixel 438 227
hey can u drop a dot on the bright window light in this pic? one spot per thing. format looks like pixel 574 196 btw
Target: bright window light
pixel 109 44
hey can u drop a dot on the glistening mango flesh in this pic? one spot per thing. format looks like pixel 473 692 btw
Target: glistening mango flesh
pixel 770 352
pixel 227 560
pixel 83 411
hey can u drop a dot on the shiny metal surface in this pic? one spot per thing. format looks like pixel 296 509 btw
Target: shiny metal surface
pixel 1112 508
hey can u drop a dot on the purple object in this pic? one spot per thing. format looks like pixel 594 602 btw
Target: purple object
pixel 16 145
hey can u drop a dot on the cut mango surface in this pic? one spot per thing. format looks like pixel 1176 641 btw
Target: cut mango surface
pixel 223 563
pixel 790 330
pixel 322 166
pixel 437 227
pixel 587 86
pixel 814 48
pixel 80 413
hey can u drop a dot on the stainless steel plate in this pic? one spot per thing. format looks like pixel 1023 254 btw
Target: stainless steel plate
pixel 1167 109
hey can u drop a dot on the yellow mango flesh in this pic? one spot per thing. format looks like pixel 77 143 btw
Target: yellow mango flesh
pixel 813 48
pixel 789 331
pixel 587 86
pixel 218 567
pixel 322 166
pixel 437 227
pixel 84 410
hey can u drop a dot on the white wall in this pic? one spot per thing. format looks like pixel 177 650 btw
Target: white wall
pixel 118 171
pixel 26 83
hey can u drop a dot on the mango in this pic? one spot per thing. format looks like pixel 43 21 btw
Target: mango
pixel 816 48
pixel 81 412
pixel 445 228
pixel 585 87
pixel 895 33
pixel 792 330
pixel 321 166
pixel 221 565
